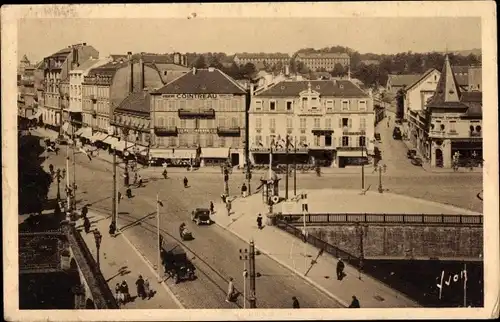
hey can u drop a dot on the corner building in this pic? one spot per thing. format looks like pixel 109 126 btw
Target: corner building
pixel 330 122
pixel 200 116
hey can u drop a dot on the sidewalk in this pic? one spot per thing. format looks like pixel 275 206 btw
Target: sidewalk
pixel 120 260
pixel 298 256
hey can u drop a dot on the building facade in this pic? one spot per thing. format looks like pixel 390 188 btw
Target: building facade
pixel 327 61
pixel 264 58
pixel 26 89
pixel 453 127
pixel 199 116
pixel 327 121
pixel 56 70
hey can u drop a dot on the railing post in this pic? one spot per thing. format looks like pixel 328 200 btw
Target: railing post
pixel 442 218
pixel 461 218
pixel 423 218
pixel 365 218
pixel 327 217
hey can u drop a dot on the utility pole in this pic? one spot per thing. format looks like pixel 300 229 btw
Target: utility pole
pixel 68 193
pixel 251 260
pixel 244 257
pixel 159 237
pixel 362 168
pixel 286 175
pixel 113 206
pixel 295 166
pixel 249 176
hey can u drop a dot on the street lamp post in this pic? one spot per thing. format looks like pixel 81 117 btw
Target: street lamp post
pixel 59 176
pixel 287 169
pixel 226 181
pixel 250 256
pixel 380 169
pixel 295 166
pixel 360 231
pixel 97 238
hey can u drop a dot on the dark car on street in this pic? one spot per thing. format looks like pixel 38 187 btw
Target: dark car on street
pixel 416 162
pixel 412 153
pixel 396 134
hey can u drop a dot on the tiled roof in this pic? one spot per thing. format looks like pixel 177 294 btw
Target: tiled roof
pixel 136 102
pixel 476 97
pixel 422 77
pixel 262 55
pixel 153 58
pixel 404 79
pixel 88 64
pixel 447 92
pixel 62 52
pixel 461 74
pixel 322 55
pixel 339 88
pixel 203 81
pixel 107 69
pixel 117 57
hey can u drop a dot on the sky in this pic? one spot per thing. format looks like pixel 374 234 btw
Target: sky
pixel 38 38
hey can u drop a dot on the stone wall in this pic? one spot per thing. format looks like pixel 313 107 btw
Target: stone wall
pixel 405 242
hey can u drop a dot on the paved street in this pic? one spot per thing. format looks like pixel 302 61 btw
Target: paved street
pixel 215 252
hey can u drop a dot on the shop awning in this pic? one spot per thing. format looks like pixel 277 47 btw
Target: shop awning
pixel 216 153
pixel 86 132
pixel 35 116
pixel 79 132
pixel 351 154
pixel 119 145
pixel 110 140
pixel 176 154
pixel 98 137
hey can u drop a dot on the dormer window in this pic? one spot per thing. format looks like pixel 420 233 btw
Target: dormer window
pixel 345 105
pixel 272 106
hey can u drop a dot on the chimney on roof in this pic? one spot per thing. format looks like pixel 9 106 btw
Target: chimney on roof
pixel 74 59
pixel 141 77
pixel 131 72
pixel 211 69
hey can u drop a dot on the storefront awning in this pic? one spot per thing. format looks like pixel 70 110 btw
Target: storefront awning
pixel 119 145
pixel 110 140
pixel 35 116
pixel 176 154
pixel 350 154
pixel 86 132
pixel 98 137
pixel 79 132
pixel 216 153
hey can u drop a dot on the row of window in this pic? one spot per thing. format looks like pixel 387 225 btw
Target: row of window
pixel 312 103
pixel 99 106
pixel 203 140
pixel 222 105
pixel 97 91
pixel 318 141
pixel 452 126
pixel 197 123
pixel 344 122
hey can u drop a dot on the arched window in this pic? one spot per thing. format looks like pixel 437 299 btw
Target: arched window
pixel 471 128
pixel 478 128
pixel 442 127
pixel 362 141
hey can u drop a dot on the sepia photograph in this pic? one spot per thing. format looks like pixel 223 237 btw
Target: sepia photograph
pixel 222 161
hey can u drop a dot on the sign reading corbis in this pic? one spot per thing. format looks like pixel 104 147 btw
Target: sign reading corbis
pixel 197 96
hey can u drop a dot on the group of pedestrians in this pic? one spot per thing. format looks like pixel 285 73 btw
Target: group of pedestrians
pixel 122 293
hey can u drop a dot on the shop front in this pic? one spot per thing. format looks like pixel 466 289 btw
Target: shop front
pixel 280 156
pixel 322 157
pixel 351 156
pixel 173 157
pixel 467 151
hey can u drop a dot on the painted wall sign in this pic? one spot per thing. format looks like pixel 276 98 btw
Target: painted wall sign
pixel 197 96
pixel 198 131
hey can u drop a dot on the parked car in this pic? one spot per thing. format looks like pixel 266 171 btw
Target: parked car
pixel 412 153
pixel 377 136
pixel 201 216
pixel 416 162
pixel 396 134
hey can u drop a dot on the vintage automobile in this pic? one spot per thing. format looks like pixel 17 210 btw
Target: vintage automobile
pixel 184 233
pixel 177 265
pixel 410 154
pixel 201 216
pixel 396 134
pixel 416 162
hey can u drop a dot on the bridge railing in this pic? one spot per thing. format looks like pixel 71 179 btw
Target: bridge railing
pixel 369 218
pixel 103 296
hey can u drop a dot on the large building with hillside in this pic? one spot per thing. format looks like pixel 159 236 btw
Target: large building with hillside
pixel 262 58
pixel 199 117
pixel 320 61
pixel 330 122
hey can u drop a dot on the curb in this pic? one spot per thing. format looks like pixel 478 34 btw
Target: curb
pixel 307 279
pixel 150 266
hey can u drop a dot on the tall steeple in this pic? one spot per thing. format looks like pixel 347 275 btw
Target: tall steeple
pixel 447 90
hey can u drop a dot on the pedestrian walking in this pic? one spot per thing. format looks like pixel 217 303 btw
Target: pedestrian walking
pixel 86 224
pixel 140 287
pixel 185 182
pixel 295 304
pixel 147 290
pixel 354 303
pixel 125 292
pixel 230 290
pixel 244 190
pixel 135 178
pixel 340 269
pixel 211 208
pixel 164 173
pixel 259 221
pixel 223 197
pixel 119 296
pixel 140 182
pixel 51 169
pixel 228 206
pixel 129 193
pixel 119 196
pixel 85 211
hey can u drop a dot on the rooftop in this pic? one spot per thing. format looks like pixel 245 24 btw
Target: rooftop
pixel 447 94
pixel 202 81
pixel 338 88
pixel 136 102
pixel 262 55
pixel 403 79
pixel 322 55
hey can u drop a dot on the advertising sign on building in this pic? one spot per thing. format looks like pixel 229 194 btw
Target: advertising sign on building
pixel 197 96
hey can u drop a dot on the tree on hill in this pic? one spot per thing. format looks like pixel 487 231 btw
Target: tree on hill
pixel 248 70
pixel 338 70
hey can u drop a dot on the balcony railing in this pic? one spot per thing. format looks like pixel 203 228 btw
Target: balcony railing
pixel 351 148
pixel 349 132
pixel 93 98
pixel 166 130
pixel 322 131
pixel 197 113
pixel 229 131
